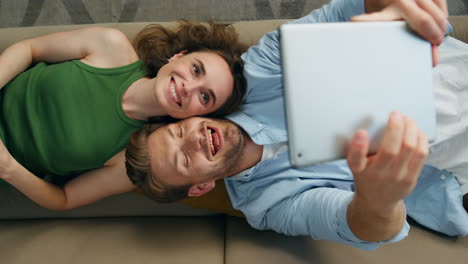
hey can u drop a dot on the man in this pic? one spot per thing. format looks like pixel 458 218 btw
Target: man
pixel 320 201
pixel 361 207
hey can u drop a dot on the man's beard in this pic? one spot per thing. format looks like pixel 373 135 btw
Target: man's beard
pixel 232 157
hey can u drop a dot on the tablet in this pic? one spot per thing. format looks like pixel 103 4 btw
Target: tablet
pixel 341 77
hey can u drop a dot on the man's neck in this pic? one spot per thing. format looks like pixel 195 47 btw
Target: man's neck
pixel 252 154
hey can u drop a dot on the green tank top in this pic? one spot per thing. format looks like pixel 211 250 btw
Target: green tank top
pixel 66 118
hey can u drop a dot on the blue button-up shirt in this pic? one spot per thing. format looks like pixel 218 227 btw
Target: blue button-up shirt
pixel 262 111
pixel 313 201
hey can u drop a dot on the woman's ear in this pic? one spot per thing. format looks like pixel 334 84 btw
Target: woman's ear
pixel 200 189
pixel 177 56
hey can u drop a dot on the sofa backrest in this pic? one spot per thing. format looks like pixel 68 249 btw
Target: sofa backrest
pixel 250 31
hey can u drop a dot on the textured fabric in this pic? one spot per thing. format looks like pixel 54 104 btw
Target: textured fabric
pixel 310 201
pixel 272 195
pixel 313 201
pixel 450 150
pixel 66 118
pixel 262 111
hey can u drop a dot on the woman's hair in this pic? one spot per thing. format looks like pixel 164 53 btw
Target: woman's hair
pixel 155 44
pixel 137 162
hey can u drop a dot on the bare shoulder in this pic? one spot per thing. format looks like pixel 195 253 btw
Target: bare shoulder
pixel 113 37
pixel 112 48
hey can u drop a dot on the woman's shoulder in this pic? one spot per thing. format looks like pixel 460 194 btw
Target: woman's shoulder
pixel 113 49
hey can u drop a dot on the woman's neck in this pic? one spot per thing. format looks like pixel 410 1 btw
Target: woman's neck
pixel 139 101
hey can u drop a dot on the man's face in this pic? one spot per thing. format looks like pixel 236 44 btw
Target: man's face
pixel 195 150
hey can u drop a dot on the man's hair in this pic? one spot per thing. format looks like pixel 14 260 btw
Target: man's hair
pixel 155 44
pixel 139 168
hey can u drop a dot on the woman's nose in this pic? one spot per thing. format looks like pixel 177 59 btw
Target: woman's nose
pixel 189 87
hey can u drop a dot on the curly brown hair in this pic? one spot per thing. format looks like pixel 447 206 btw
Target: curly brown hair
pixel 155 44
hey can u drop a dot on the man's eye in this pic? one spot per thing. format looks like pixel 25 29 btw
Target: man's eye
pixel 196 70
pixel 205 98
pixel 186 161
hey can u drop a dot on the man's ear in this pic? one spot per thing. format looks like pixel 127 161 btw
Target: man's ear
pixel 200 189
pixel 178 55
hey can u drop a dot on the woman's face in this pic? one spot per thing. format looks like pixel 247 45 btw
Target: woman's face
pixel 194 84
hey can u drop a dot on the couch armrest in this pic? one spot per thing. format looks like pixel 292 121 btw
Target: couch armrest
pixel 460 27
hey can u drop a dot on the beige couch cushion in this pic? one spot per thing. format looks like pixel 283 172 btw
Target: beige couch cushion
pixel 175 240
pixel 14 205
pixel 421 246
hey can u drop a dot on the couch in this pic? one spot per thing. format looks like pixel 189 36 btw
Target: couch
pixel 130 228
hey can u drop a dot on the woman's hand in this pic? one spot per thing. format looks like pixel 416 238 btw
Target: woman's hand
pixel 429 18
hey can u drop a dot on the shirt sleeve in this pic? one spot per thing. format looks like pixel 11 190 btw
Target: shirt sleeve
pixel 335 11
pixel 321 214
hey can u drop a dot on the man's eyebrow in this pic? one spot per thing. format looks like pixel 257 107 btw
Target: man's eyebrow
pixel 202 66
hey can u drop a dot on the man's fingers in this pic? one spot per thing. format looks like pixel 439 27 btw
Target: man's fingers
pixel 435 55
pixel 437 14
pixel 409 144
pixel 421 21
pixel 427 17
pixel 389 148
pixel 442 4
pixel 419 156
pixel 357 153
pixel 388 14
pixel 416 162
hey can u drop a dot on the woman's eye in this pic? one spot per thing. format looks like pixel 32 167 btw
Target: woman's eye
pixel 205 98
pixel 196 70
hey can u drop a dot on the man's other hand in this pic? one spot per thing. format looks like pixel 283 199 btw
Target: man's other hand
pixel 429 18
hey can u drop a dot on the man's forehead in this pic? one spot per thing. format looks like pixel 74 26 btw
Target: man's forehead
pixel 157 133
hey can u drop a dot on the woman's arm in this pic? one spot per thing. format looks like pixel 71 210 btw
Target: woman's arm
pixel 99 47
pixel 85 189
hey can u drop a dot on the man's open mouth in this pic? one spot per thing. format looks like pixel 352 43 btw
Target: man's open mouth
pixel 215 141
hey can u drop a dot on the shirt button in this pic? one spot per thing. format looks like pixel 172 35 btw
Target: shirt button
pixel 260 125
pixel 443 177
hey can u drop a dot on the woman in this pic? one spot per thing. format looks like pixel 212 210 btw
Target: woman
pixel 66 118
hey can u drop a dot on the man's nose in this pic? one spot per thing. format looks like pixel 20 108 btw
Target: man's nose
pixel 193 142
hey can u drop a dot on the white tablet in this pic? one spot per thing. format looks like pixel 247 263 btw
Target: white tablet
pixel 341 77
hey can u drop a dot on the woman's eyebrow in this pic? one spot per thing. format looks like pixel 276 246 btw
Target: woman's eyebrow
pixel 202 66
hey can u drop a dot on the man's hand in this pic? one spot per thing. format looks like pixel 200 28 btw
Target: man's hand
pixel 427 17
pixel 384 179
